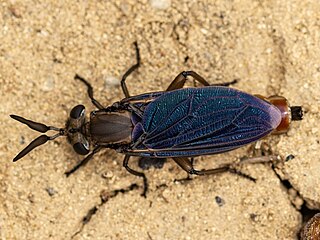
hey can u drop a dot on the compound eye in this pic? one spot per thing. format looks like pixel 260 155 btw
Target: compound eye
pixel 81 148
pixel 77 112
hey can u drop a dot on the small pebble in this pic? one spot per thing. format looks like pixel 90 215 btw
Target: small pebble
pixel 289 157
pixel 111 81
pixel 219 201
pixel 49 84
pixel 160 4
pixel 51 191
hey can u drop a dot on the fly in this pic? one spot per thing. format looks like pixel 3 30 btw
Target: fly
pixel 178 123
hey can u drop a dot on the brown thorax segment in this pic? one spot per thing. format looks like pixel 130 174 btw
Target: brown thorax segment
pixel 107 128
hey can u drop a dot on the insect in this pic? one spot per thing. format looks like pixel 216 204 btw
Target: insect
pixel 177 123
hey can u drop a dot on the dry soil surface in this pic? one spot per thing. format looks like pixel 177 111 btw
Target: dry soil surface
pixel 271 47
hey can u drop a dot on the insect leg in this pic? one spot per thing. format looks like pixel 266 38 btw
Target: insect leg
pixel 90 92
pixel 186 165
pixel 225 84
pixel 136 110
pixel 139 174
pixel 181 79
pixel 83 162
pixel 129 71
pixel 200 79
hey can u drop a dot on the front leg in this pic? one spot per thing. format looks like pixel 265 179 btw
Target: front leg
pixel 129 71
pixel 90 91
pixel 83 161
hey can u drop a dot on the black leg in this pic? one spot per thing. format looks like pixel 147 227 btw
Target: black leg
pixel 225 84
pixel 90 91
pixel 187 165
pixel 139 174
pixel 181 79
pixel 83 162
pixel 129 71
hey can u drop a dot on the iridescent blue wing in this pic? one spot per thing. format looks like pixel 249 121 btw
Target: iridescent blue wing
pixel 200 121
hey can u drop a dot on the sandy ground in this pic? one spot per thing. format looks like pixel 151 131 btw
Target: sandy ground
pixel 272 47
